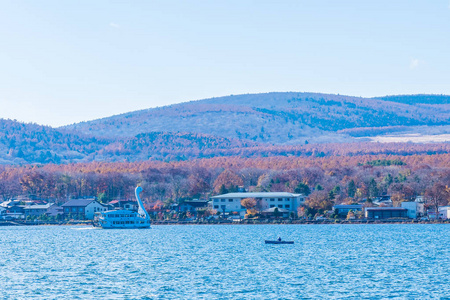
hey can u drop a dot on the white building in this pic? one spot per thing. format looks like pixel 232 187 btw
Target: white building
pixel 232 201
pixel 415 209
pixel 444 212
pixel 82 208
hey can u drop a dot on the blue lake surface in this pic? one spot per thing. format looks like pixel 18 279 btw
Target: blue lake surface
pixel 226 262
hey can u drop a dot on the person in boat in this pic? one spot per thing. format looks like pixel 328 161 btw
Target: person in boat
pixel 279 239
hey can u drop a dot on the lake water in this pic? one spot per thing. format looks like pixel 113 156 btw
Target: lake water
pixel 226 262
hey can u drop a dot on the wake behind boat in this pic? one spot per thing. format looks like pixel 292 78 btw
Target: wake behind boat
pixel 124 218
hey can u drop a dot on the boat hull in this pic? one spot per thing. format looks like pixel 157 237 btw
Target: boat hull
pixel 124 227
pixel 278 242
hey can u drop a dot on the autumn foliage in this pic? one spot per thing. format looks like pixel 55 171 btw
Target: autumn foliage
pixel 330 179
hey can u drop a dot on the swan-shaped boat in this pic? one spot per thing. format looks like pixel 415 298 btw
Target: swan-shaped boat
pixel 124 218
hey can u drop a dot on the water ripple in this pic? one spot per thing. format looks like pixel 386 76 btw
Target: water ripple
pixel 226 262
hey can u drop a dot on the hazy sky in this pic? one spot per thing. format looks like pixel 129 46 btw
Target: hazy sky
pixel 68 61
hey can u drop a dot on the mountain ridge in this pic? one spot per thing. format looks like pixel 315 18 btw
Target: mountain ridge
pixel 281 118
pixel 245 125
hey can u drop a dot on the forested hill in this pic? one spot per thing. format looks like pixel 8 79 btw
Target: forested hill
pixel 280 118
pixel 418 99
pixel 32 143
pixel 271 124
pixel 22 143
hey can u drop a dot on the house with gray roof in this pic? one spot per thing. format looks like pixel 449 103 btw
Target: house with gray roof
pixel 343 209
pixel 36 210
pixel 82 208
pixel 386 212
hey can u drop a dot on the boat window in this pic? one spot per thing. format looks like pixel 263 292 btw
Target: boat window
pixel 287 206
pixel 280 199
pixel 230 200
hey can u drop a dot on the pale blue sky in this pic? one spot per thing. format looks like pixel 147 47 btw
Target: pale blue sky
pixel 68 61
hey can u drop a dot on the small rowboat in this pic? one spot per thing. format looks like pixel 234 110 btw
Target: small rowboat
pixel 278 242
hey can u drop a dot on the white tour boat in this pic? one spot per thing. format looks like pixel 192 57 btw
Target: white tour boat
pixel 124 218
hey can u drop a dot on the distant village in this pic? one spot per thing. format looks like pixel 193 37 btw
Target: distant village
pixel 229 207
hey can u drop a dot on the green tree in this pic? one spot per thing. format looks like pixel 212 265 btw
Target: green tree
pixel 351 188
pixel 373 188
pixel 388 179
pixel 223 190
pixel 101 197
pixel 302 188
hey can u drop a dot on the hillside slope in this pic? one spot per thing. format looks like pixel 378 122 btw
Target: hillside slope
pixel 418 99
pixel 22 143
pixel 32 143
pixel 281 118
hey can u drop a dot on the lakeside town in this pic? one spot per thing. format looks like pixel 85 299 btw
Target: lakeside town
pixel 235 207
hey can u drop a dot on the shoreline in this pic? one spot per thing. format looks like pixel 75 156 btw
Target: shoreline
pixel 241 222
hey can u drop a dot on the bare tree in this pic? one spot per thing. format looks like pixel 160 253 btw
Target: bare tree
pixel 437 195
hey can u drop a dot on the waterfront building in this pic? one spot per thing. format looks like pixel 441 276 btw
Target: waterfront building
pixel 36 210
pixel 276 212
pixel 55 211
pixel 231 202
pixel 12 209
pixel 444 212
pixel 386 212
pixel 192 206
pixel 82 208
pixel 342 210
pixel 415 209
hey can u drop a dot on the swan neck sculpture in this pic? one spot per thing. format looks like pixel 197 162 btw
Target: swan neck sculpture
pixel 141 211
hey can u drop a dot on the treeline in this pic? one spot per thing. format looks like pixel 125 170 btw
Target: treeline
pixel 30 143
pixel 327 180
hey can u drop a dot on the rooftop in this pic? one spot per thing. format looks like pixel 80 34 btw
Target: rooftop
pixel 272 210
pixel 122 201
pixel 342 206
pixel 78 202
pixel 38 206
pixel 385 208
pixel 258 195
